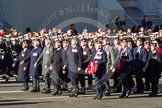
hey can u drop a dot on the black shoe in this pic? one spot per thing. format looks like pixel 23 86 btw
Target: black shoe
pixel 55 93
pixel 46 91
pixel 138 92
pixel 33 90
pixel 122 96
pixel 71 95
pixel 152 95
pixel 76 94
pixel 117 91
pixel 107 93
pixel 89 88
pixel 25 89
pixel 97 98
pixel 82 92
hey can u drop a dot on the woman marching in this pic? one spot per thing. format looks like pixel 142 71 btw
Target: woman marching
pixel 23 69
pixel 34 72
pixel 153 67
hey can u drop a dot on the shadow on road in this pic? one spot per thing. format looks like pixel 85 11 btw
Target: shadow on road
pixel 14 102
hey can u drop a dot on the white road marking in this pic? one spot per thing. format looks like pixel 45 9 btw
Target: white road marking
pixel 39 98
pixel 1 92
pixel 45 98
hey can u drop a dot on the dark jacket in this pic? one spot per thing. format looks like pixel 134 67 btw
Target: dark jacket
pixel 74 61
pixel 46 56
pixel 127 56
pixel 140 58
pixel 101 58
pixel 23 75
pixel 57 65
pixel 35 52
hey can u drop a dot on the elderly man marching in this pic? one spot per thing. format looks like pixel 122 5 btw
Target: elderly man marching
pixel 111 56
pixel 100 57
pixel 56 67
pixel 23 70
pixel 46 56
pixel 126 56
pixel 74 65
pixel 35 72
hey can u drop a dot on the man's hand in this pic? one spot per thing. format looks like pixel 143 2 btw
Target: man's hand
pixel 21 62
pixel 111 67
pixel 24 68
pixel 64 67
pixel 79 69
pixel 35 65
pixel 13 65
pixel 86 70
pixel 51 68
pixel 64 72
pixel 45 66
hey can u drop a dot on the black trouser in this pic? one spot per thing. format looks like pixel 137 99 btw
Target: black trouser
pixel 2 66
pixel 90 78
pixel 65 79
pixel 25 85
pixel 57 88
pixel 147 83
pixel 35 83
pixel 155 82
pixel 116 81
pixel 106 86
pixel 82 80
pixel 147 80
pixel 130 81
pixel 124 83
pixel 47 81
pixel 74 82
pixel 139 81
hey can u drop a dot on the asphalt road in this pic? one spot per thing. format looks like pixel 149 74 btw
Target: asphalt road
pixel 12 97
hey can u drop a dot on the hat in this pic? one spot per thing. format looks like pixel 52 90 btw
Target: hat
pixel 64 41
pixel 91 40
pixel 124 40
pixel 25 35
pixel 74 36
pixel 59 36
pixel 98 42
pixel 139 39
pixel 53 37
pixel 13 39
pixel 65 34
pixel 154 42
pixel 57 41
pixel 141 33
pixel 83 40
pixel 79 36
pixel 7 36
pixel 20 37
